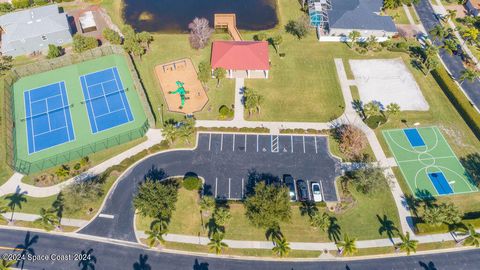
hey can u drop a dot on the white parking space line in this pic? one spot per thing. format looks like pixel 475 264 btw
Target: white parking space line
pixel 221 143
pixel 106 216
pixel 308 190
pixel 291 143
pixel 216 184
pixel 257 142
pixel 303 137
pixel 209 141
pixel 233 144
pixel 321 190
pixel 245 143
pixel 229 182
pixel 243 188
pixel 316 148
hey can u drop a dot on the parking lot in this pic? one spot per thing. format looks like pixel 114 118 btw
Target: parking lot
pixel 237 161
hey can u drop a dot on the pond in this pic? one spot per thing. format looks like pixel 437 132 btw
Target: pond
pixel 173 16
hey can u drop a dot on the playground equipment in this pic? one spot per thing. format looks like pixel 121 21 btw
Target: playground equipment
pixel 182 92
pixel 229 21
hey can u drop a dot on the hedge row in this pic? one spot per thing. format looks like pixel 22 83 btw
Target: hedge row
pixel 458 99
pixel 423 228
pixel 235 129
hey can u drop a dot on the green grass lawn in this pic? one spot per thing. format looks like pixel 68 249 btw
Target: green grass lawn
pixel 359 221
pixel 398 14
pixel 414 14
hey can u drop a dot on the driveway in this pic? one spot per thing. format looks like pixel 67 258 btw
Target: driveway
pixel 230 165
pixel 453 62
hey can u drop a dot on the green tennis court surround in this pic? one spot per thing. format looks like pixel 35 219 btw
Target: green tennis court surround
pixel 430 168
pixel 86 141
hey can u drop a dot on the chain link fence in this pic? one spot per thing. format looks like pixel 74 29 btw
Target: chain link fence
pixel 26 167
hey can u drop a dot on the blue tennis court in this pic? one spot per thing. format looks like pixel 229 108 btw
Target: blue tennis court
pixel 105 98
pixel 47 115
pixel 440 183
pixel 414 137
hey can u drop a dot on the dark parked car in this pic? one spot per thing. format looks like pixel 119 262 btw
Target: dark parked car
pixel 290 183
pixel 302 190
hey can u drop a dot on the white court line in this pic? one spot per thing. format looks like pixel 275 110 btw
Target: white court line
pixel 51 130
pixel 90 103
pixel 38 100
pixel 291 143
pixel 216 184
pixel 31 120
pixel 257 142
pixel 100 115
pixel 209 141
pixel 229 184
pixel 321 190
pixel 105 97
pixel 233 145
pixel 64 110
pixel 48 115
pixel 245 143
pixel 95 84
pixel 316 148
pixel 303 137
pixel 221 142
pixel 119 87
pixel 106 216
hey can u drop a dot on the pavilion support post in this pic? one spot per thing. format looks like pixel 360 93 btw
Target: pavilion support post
pixel 248 73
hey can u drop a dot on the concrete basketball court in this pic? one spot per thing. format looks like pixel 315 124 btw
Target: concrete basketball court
pixel 388 81
pixel 181 70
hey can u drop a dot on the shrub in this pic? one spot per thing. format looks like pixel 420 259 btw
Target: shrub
pixel 79 194
pixel 260 37
pixel 40 2
pixel 375 121
pixel 82 43
pixel 21 3
pixel 225 112
pixel 192 183
pixel 54 51
pixel 156 199
pixel 112 36
pixel 352 141
pixel 6 7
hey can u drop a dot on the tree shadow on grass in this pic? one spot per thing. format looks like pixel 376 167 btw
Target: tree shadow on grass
pixel 471 163
pixel 387 226
pixel 334 230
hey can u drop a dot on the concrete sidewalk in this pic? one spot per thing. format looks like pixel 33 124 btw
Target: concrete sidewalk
pixel 31 217
pixel 200 240
pixel 154 136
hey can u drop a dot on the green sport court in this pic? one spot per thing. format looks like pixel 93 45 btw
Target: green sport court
pixel 69 112
pixel 427 162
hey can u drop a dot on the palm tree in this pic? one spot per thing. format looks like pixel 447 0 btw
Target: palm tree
pixel 186 130
pixel 451 14
pixel 48 219
pixel 169 132
pixel 219 74
pixel 273 233
pixel 207 204
pixel 156 235
pixel 472 237
pixel 308 208
pixel 408 245
pixel 222 216
pixel 371 109
pixel 15 200
pixel 321 222
pixel 6 265
pixel 450 46
pixel 353 36
pixel 469 74
pixel 392 109
pixel 26 247
pixel 276 41
pixel 281 247
pixel 386 226
pixel 470 34
pixel 438 32
pixel 216 243
pixel 348 246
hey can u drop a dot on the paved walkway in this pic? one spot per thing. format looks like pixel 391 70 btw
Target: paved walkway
pixel 200 240
pixel 239 108
pixel 351 114
pixel 154 136
pixel 409 15
pixel 32 217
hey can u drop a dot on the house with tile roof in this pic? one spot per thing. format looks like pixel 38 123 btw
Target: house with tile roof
pixel 335 19
pixel 241 59
pixel 32 30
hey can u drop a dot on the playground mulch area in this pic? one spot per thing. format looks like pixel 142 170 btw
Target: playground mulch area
pixel 427 162
pixel 168 74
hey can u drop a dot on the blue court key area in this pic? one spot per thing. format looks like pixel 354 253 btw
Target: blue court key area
pixel 47 116
pixel 107 104
pixel 440 183
pixel 414 137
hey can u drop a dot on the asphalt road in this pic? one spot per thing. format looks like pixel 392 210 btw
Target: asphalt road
pixel 108 256
pixel 230 165
pixel 453 62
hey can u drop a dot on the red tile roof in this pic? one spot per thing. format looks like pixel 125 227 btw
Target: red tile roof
pixel 240 55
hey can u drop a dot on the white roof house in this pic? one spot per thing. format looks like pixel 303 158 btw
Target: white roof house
pixel 32 30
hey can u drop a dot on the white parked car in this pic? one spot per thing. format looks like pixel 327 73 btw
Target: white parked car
pixel 317 194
